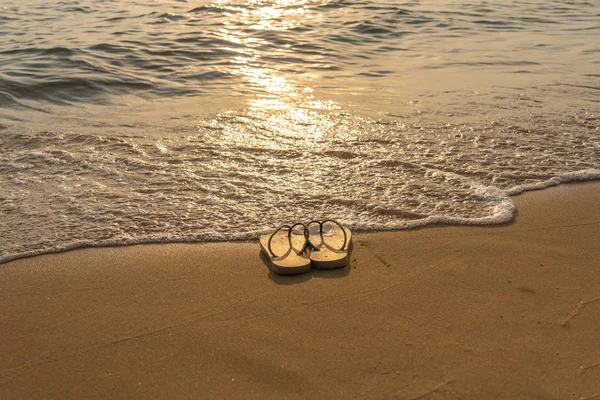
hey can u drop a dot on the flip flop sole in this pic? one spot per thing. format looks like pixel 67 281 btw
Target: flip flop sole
pixel 325 258
pixel 289 263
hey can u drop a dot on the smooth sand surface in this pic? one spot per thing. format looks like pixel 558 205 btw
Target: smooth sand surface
pixel 506 312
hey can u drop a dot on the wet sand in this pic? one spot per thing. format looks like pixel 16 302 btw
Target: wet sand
pixel 509 311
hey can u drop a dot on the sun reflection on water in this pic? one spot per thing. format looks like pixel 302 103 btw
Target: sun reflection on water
pixel 280 98
pixel 268 14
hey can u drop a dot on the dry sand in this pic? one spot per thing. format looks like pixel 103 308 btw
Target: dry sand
pixel 506 312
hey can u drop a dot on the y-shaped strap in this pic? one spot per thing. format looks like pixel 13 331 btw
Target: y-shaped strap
pixel 321 223
pixel 290 229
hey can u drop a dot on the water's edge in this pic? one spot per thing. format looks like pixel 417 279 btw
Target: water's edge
pixel 504 216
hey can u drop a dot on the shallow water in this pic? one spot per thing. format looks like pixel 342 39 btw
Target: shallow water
pixel 144 121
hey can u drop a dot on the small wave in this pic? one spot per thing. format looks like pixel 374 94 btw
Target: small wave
pixel 62 91
pixel 583 175
pixel 171 17
pixel 344 155
pixel 109 48
pixel 208 9
pixel 36 51
pixel 369 28
pixel 85 10
pixel 376 74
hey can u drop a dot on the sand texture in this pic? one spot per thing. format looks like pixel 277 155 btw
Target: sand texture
pixel 504 312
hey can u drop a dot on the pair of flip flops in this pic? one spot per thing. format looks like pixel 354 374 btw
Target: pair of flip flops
pixel 294 249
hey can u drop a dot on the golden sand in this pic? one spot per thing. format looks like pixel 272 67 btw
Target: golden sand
pixel 501 312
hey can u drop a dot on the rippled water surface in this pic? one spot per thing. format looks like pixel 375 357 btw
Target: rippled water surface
pixel 142 121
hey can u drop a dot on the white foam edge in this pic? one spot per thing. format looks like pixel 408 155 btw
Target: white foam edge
pixel 581 175
pixel 503 212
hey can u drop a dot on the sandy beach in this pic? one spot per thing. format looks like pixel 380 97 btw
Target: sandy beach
pixel 465 312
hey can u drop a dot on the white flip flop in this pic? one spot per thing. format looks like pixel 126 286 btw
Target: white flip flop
pixel 287 254
pixel 332 249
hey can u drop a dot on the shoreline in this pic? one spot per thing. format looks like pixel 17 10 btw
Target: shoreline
pixel 441 311
pixel 500 218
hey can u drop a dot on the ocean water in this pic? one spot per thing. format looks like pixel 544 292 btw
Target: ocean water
pixel 141 121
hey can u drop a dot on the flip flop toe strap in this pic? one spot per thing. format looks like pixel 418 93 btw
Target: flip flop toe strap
pixel 290 229
pixel 321 223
